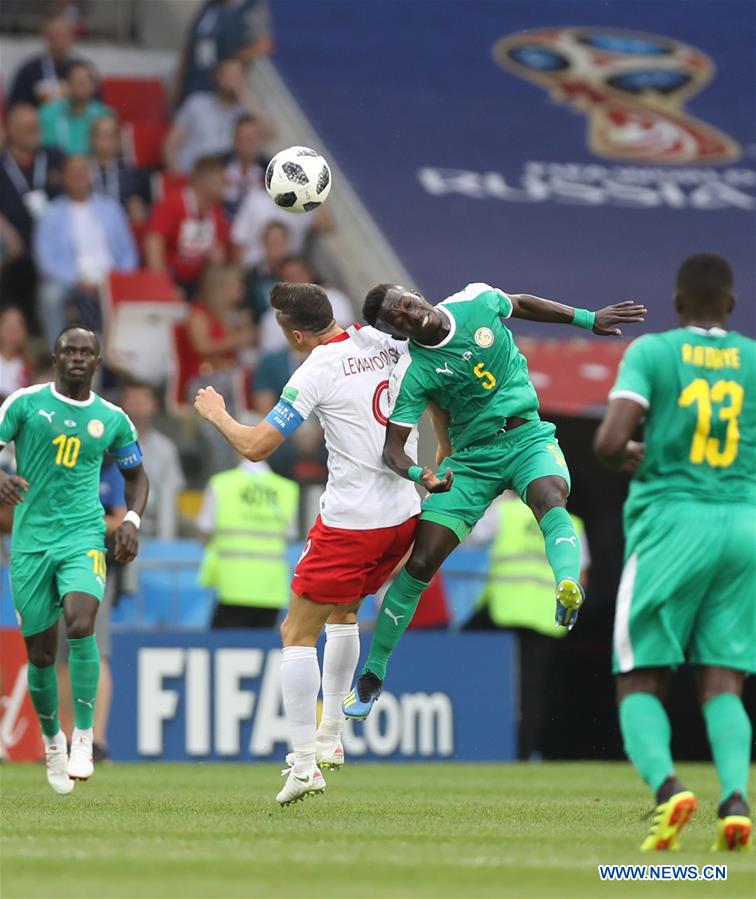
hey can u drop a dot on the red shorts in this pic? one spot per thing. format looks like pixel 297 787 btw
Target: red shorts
pixel 342 566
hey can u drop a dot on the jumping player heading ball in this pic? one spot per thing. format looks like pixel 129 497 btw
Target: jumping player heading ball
pixel 463 358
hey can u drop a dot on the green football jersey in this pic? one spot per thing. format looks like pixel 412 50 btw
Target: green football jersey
pixel 699 391
pixel 476 373
pixel 60 444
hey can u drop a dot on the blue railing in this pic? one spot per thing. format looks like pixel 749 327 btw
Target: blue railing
pixel 166 593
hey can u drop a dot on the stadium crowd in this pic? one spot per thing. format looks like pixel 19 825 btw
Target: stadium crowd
pixel 97 199
pixel 82 197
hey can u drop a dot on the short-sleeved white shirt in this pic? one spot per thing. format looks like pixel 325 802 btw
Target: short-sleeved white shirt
pixel 345 383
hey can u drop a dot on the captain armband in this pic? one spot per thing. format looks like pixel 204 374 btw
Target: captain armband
pixel 128 456
pixel 284 418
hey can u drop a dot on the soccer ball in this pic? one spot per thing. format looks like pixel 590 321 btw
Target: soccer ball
pixel 298 179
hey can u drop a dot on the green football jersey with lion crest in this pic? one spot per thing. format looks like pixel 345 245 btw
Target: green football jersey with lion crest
pixel 60 444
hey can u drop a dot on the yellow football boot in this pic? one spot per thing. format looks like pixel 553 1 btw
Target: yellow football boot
pixel 734 834
pixel 669 819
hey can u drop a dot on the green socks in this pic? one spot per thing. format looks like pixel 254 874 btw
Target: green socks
pixel 84 667
pixel 396 613
pixel 562 544
pixel 729 731
pixel 646 734
pixel 43 689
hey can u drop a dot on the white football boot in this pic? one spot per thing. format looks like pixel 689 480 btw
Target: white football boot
pixel 299 787
pixel 56 760
pixel 80 762
pixel 329 755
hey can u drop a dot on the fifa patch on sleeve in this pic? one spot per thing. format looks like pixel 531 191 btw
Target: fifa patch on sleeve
pixel 128 456
pixel 289 394
pixel 284 417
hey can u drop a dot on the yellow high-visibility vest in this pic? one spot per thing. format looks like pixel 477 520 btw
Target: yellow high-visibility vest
pixel 245 561
pixel 520 587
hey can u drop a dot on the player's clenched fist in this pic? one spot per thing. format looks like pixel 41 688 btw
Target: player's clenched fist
pixel 12 488
pixel 209 401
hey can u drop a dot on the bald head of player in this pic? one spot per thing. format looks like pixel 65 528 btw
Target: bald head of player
pixel 704 294
pixel 404 313
pixel 305 315
pixel 76 358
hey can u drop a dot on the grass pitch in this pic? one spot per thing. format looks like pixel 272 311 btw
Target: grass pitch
pixel 415 831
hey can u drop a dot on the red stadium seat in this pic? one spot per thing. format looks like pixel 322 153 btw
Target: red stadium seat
pixel 141 309
pixel 136 99
pixel 143 143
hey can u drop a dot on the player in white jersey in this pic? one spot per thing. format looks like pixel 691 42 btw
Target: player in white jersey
pixel 367 514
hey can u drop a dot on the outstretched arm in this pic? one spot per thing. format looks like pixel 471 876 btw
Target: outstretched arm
pixel 613 444
pixel 603 321
pixel 256 443
pixel 396 458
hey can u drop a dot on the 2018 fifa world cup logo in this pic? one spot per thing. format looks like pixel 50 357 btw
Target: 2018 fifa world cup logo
pixel 631 86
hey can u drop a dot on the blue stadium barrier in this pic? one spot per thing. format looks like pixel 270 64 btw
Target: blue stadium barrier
pixel 169 594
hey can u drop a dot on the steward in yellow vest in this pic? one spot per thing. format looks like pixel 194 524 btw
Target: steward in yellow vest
pixel 247 516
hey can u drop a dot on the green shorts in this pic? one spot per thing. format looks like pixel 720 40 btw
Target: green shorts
pixel 688 588
pixel 40 580
pixel 483 471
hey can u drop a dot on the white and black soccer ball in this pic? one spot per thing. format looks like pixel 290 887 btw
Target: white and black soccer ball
pixel 298 179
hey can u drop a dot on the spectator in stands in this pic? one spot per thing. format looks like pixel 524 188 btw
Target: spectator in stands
pixel 297 270
pixel 29 173
pixel 258 211
pixel 246 517
pixel 161 461
pixel 29 178
pixel 304 456
pixel 15 358
pixel 188 228
pixel 112 175
pixel 245 166
pixel 222 29
pixel 204 125
pixel 42 78
pixel 79 240
pixel 66 122
pixel 260 280
pixel 217 326
pixel 218 329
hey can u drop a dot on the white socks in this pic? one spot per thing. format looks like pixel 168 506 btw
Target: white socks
pixel 342 652
pixel 78 734
pixel 300 683
pixel 58 740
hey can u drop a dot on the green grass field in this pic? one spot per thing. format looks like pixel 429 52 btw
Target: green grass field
pixel 196 831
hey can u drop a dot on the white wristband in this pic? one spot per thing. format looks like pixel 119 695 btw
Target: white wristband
pixel 132 516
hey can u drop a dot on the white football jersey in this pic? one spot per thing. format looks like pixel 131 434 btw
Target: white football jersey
pixel 345 383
